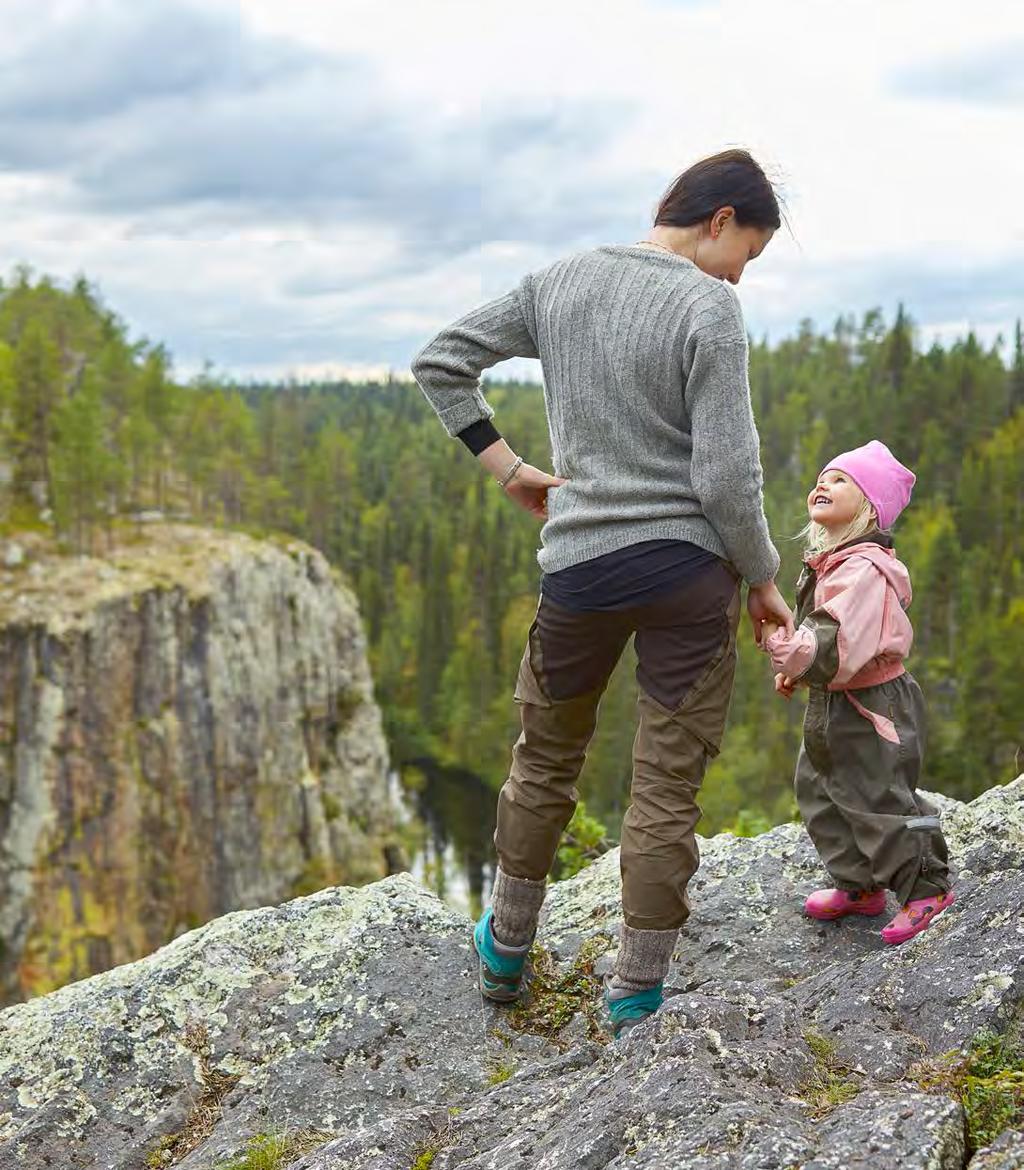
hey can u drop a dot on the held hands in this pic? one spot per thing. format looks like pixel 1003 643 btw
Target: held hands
pixel 776 616
pixel 768 611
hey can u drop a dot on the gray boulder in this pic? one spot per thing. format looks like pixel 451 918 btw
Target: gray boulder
pixel 347 1027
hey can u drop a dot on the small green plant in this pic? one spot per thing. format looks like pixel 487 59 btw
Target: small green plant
pixel 275 1151
pixel 553 999
pixel 830 1082
pixel 162 1153
pixel 583 841
pixel 500 1071
pixel 988 1082
pixel 441 1139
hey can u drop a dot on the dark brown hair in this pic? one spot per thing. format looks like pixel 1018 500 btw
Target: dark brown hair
pixel 729 179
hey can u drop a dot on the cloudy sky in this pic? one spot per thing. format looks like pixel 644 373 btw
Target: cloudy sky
pixel 319 185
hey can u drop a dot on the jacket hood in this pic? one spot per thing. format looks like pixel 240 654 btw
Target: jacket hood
pixel 882 556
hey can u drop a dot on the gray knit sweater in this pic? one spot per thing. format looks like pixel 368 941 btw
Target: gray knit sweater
pixel 644 359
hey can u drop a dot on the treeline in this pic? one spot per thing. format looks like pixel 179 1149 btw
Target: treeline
pixel 93 427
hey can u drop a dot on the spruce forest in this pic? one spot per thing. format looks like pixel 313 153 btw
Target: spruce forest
pixel 94 428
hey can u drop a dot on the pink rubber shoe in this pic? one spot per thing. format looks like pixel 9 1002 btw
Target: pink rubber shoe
pixel 916 915
pixel 828 904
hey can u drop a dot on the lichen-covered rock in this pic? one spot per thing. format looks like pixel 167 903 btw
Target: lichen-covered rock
pixel 1005 1153
pixel 322 1007
pixel 354 1015
pixel 187 727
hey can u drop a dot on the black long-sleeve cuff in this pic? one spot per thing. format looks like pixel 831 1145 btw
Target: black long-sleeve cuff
pixel 479 435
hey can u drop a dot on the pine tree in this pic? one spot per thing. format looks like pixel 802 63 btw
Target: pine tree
pixel 1017 371
pixel 37 377
pixel 84 469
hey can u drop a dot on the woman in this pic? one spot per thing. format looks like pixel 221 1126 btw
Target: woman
pixel 653 518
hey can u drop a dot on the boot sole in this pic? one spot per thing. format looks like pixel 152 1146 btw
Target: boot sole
pixel 498 996
pixel 843 914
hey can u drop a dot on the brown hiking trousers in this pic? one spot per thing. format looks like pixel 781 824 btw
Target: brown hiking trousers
pixel 685 641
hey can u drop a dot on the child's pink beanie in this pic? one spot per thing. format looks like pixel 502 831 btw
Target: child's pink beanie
pixel 880 476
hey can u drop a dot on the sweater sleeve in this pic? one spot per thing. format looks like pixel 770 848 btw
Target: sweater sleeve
pixel 448 367
pixel 725 465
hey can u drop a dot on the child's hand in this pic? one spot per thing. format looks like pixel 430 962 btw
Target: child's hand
pixel 767 629
pixel 784 686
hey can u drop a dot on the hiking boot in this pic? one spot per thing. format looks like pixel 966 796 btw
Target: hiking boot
pixel 917 915
pixel 829 904
pixel 501 966
pixel 628 1008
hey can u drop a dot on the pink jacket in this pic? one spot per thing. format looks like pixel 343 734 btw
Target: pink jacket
pixel 865 590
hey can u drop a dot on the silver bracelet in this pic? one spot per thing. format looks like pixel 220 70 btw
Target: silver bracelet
pixel 511 471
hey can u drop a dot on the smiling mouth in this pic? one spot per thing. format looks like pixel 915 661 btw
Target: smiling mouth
pixel 821 500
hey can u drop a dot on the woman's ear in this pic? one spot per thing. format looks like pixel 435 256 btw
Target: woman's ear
pixel 720 219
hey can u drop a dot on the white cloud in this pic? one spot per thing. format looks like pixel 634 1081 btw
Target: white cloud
pixel 284 186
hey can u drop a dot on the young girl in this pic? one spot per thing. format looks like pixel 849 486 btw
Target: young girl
pixel 857 772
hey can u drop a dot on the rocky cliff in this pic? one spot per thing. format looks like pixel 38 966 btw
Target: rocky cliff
pixel 344 1031
pixel 187 727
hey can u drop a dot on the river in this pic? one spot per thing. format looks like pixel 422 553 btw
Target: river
pixel 449 816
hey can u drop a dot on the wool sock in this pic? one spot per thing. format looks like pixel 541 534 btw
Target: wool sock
pixel 515 908
pixel 643 958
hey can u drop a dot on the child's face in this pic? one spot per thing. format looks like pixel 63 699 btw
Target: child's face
pixel 834 500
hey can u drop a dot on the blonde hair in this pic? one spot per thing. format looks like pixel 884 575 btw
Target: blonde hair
pixel 819 539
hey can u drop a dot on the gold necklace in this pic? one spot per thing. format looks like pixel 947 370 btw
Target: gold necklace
pixel 671 251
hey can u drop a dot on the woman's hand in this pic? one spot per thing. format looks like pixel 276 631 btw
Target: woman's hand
pixel 529 488
pixel 766 604
pixel 784 686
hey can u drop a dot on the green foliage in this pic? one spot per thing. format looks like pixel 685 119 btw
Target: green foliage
pixel 443 1138
pixel 85 474
pixel 554 997
pixel 830 1082
pixel 749 824
pixel 162 1153
pixel 275 1151
pixel 93 425
pixel 988 1081
pixel 583 841
pixel 37 390
pixel 501 1071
